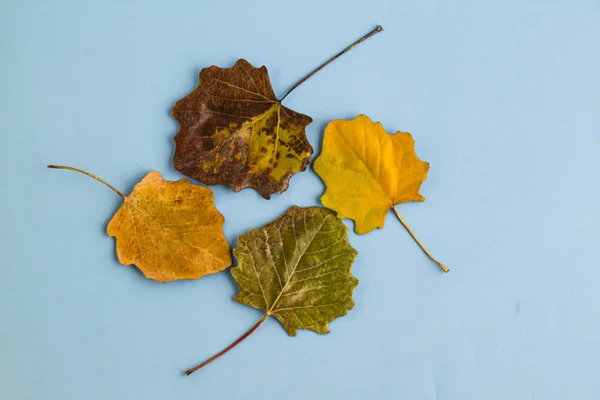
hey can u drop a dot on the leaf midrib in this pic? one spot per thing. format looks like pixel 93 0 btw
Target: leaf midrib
pixel 272 309
pixel 243 89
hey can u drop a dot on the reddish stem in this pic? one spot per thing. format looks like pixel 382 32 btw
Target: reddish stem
pixel 231 346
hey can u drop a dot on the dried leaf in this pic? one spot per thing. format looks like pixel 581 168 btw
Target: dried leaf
pixel 296 269
pixel 234 131
pixel 368 172
pixel 169 230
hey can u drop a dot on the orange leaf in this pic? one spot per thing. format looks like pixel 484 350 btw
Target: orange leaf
pixel 169 230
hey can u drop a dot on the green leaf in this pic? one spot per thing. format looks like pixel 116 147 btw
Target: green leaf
pixel 296 269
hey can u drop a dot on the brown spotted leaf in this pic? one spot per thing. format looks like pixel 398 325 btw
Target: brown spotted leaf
pixel 234 131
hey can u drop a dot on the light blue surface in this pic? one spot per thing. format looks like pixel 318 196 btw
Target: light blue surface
pixel 503 99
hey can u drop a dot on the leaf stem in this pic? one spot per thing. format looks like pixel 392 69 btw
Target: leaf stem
pixel 442 266
pixel 362 39
pixel 90 175
pixel 231 346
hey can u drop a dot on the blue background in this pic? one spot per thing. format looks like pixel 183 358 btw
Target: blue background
pixel 503 99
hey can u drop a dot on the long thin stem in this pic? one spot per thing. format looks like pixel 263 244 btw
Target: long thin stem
pixel 231 346
pixel 442 266
pixel 362 39
pixel 90 175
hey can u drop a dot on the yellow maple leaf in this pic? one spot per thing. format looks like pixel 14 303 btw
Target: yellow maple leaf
pixel 169 230
pixel 367 172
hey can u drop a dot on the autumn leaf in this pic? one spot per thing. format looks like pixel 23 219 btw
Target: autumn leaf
pixel 296 269
pixel 368 172
pixel 234 130
pixel 169 230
